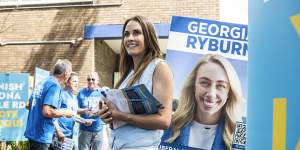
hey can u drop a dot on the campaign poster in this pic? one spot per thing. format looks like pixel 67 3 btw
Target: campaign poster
pixel 13 114
pixel 191 38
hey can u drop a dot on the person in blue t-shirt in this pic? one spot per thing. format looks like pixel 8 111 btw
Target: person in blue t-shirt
pixel 90 137
pixel 64 126
pixel 43 107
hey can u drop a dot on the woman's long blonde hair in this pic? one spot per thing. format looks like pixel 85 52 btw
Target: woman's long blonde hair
pixel 187 105
pixel 152 51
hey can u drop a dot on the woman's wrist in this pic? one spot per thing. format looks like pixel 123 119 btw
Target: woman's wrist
pixel 116 115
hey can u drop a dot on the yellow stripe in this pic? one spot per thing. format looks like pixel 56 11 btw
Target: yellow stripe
pixel 296 22
pixel 298 145
pixel 279 124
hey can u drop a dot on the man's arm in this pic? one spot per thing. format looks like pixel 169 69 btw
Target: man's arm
pixel 50 112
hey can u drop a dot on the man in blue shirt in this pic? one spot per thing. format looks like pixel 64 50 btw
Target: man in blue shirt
pixel 43 107
pixel 68 101
pixel 89 98
pixel 65 126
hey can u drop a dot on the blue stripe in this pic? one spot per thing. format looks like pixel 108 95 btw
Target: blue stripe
pixel 180 24
pixel 114 31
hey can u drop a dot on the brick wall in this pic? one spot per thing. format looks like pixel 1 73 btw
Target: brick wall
pixel 45 24
pixel 106 63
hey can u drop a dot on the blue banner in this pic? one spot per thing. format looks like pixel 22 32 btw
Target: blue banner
pixel 274 75
pixel 209 28
pixel 39 79
pixel 13 114
pixel 40 76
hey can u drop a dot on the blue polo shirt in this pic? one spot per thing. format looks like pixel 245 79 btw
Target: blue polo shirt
pixel 86 98
pixel 68 101
pixel 39 128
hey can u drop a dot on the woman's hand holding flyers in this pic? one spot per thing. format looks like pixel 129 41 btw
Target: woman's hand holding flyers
pixel 104 112
pixel 112 109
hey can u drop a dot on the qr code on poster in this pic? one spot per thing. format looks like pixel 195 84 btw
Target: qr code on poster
pixel 239 136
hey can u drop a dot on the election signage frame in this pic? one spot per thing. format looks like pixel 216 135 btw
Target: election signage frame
pixel 13 114
pixel 191 38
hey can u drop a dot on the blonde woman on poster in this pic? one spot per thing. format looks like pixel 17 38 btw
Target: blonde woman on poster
pixel 210 105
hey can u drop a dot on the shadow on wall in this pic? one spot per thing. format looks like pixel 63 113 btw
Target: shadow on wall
pixel 68 24
pixel 106 63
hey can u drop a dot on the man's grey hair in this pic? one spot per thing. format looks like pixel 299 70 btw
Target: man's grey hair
pixel 61 66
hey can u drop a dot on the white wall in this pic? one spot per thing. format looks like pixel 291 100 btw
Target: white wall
pixel 235 11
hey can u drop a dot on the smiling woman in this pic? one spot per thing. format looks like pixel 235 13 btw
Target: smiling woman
pixel 141 63
pixel 209 106
pixel 134 39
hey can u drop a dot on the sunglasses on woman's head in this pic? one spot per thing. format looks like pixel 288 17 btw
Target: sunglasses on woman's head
pixel 89 79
